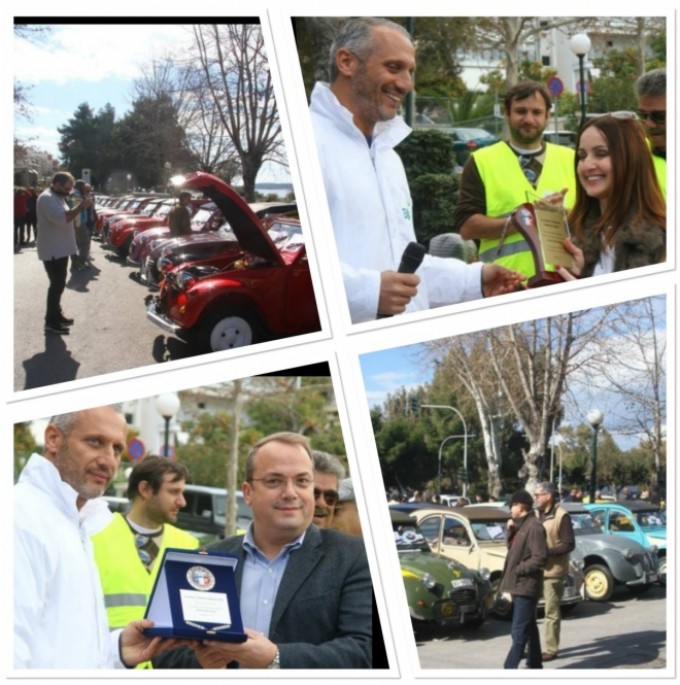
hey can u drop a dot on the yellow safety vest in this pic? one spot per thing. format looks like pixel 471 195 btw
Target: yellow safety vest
pixel 660 168
pixel 506 187
pixel 125 581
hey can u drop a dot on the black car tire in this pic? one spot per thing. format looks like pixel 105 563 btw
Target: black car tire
pixel 124 250
pixel 661 570
pixel 599 583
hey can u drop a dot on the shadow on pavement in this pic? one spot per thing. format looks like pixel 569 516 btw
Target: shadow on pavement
pixel 167 349
pixel 79 280
pixel 632 649
pixel 54 365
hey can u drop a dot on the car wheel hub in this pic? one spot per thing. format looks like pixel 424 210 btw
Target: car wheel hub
pixel 230 332
pixel 596 584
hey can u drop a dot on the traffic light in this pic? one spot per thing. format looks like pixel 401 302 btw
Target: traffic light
pixel 462 474
pixel 415 405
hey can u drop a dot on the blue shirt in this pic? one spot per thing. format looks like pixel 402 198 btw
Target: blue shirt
pixel 260 582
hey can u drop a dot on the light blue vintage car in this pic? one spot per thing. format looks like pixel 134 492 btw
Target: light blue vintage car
pixel 637 520
pixel 609 560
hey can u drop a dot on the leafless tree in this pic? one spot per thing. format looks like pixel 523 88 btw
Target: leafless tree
pixel 521 371
pixel 237 77
pixel 626 374
pixel 181 80
pixel 509 34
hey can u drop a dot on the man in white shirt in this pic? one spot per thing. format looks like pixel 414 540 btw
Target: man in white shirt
pixel 356 128
pixel 59 616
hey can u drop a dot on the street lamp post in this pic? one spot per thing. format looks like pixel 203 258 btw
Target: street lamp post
pixel 439 462
pixel 167 406
pixel 580 45
pixel 595 419
pixel 444 406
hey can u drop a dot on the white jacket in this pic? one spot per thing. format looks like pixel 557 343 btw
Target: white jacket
pixel 371 210
pixel 59 615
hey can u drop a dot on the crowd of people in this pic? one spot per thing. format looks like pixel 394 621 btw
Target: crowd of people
pixel 83 576
pixel 612 187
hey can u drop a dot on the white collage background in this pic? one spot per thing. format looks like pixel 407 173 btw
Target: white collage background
pixel 339 343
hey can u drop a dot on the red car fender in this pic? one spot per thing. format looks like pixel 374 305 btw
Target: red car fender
pixel 191 305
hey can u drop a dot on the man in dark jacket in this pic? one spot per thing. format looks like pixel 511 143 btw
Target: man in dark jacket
pixel 305 592
pixel 522 578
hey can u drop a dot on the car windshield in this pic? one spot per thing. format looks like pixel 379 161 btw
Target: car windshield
pixel 650 519
pixel 201 216
pixel 163 211
pixel 150 209
pixel 584 524
pixel 489 530
pixel 408 539
pixel 472 133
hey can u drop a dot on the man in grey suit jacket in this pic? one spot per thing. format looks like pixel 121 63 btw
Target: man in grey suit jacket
pixel 305 592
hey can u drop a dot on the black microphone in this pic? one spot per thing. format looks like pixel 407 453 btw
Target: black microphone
pixel 410 261
pixel 412 258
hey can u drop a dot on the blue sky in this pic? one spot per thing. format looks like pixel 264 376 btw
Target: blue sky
pixel 386 371
pixel 93 63
pixel 72 64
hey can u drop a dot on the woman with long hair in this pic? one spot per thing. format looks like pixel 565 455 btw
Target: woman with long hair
pixel 618 221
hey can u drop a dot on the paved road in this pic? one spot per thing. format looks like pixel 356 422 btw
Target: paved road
pixel 627 632
pixel 111 332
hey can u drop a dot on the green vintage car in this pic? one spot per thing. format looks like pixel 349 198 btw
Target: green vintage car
pixel 439 591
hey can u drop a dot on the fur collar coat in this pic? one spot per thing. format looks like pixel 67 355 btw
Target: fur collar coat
pixel 635 244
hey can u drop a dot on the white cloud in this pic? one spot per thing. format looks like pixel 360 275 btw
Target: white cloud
pixel 95 52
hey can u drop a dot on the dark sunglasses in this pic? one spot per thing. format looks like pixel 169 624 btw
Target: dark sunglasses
pixel 330 497
pixel 657 116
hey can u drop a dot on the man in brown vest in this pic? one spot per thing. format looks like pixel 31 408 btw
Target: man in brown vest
pixel 179 219
pixel 560 538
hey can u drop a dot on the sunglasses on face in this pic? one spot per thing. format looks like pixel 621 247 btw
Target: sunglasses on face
pixel 330 497
pixel 657 116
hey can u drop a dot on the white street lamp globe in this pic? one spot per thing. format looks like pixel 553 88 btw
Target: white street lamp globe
pixel 580 44
pixel 595 418
pixel 167 405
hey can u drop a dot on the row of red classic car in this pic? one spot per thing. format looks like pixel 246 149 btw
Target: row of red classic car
pixel 241 277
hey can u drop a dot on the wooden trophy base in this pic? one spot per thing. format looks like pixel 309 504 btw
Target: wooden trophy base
pixel 544 278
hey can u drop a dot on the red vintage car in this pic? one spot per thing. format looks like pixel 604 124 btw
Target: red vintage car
pixel 212 243
pixel 264 292
pixel 122 233
pixel 117 206
pixel 206 218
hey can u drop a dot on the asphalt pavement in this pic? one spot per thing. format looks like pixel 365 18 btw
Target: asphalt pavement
pixel 111 332
pixel 627 632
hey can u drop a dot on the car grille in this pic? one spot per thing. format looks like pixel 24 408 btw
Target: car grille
pixel 464 596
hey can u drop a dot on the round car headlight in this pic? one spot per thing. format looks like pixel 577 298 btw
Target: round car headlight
pixel 485 573
pixel 428 581
pixel 628 553
pixel 164 264
pixel 184 280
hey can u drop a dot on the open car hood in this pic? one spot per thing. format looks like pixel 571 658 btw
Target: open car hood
pixel 247 227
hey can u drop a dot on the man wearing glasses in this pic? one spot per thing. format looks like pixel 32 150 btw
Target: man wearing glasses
pixel 650 89
pixel 498 178
pixel 129 550
pixel 328 472
pixel 305 592
pixel 560 539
